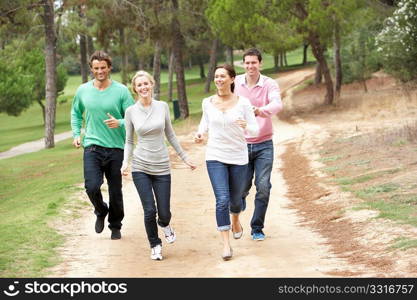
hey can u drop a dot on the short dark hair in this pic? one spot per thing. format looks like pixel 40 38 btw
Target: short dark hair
pixel 252 52
pixel 100 55
pixel 230 70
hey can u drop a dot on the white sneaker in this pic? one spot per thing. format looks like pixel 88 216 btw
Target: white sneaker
pixel 156 252
pixel 169 233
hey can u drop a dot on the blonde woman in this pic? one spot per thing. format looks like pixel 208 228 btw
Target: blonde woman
pixel 150 120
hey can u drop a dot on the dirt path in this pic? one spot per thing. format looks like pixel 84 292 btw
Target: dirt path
pixel 290 250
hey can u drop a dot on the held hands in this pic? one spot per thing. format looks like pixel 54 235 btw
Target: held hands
pixel 111 122
pixel 77 142
pixel 256 110
pixel 124 169
pixel 198 138
pixel 190 164
pixel 241 123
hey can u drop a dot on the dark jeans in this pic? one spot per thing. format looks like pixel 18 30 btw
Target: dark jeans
pixel 261 158
pixel 148 186
pixel 99 161
pixel 227 183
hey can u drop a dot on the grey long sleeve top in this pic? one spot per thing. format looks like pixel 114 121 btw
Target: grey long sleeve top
pixel 151 124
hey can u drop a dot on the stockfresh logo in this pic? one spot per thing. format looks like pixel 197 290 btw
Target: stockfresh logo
pixel 11 290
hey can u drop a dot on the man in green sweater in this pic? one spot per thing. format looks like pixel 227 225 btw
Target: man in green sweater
pixel 103 102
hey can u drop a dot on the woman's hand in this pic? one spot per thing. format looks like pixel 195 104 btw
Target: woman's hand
pixel 190 164
pixel 241 123
pixel 124 169
pixel 198 138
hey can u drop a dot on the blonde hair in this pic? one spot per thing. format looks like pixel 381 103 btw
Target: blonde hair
pixel 142 73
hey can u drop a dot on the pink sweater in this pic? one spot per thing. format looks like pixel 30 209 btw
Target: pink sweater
pixel 265 95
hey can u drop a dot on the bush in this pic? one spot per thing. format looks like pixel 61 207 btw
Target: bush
pixel 397 41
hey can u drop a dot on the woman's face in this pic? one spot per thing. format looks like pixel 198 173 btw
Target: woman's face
pixel 143 87
pixel 222 79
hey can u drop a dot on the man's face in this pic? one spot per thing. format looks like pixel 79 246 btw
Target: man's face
pixel 252 65
pixel 100 70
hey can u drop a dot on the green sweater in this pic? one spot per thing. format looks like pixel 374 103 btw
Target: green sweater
pixel 115 99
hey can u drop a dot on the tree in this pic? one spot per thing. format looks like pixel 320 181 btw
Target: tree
pixel 397 41
pixel 177 44
pixel 50 71
pixel 22 67
pixel 315 20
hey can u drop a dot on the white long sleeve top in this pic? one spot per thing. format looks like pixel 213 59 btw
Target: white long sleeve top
pixel 226 140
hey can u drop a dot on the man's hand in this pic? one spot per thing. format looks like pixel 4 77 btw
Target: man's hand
pixel 77 142
pixel 111 122
pixel 256 110
pixel 198 138
pixel 190 164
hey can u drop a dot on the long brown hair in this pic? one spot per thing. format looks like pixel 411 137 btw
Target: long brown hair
pixel 230 71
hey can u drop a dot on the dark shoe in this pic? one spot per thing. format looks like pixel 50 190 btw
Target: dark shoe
pixel 115 234
pixel 100 224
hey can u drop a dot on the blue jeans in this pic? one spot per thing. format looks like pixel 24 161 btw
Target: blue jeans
pixel 261 158
pixel 99 161
pixel 148 186
pixel 227 183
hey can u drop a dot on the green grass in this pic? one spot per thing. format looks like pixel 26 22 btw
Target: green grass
pixel 404 243
pixel 401 213
pixel 330 158
pixel 410 199
pixel 29 125
pixel 373 190
pixel 33 189
pixel 360 162
pixel 354 180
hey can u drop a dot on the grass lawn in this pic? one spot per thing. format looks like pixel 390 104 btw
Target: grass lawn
pixel 33 189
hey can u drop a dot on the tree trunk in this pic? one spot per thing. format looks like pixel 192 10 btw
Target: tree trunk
pixel 229 55
pixel 305 53
pixel 83 54
pixel 318 75
pixel 365 88
pixel 178 42
pixel 83 47
pixel 212 65
pixel 201 65
pixel 90 45
pixel 157 69
pixel 276 62
pixel 170 74
pixel 337 61
pixel 123 52
pixel 285 58
pixel 318 52
pixel 50 72
pixel 140 64
pixel 43 110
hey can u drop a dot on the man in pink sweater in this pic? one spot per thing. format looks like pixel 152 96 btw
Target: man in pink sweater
pixel 264 95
